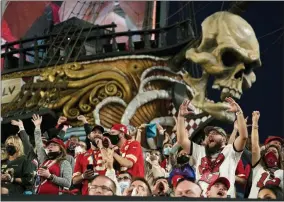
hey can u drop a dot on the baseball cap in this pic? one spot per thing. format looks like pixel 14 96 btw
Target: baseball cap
pixel 271 138
pixel 218 129
pixel 57 141
pixel 175 180
pixel 98 127
pixel 120 127
pixel 223 180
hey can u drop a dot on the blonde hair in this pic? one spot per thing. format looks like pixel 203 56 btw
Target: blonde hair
pixel 17 142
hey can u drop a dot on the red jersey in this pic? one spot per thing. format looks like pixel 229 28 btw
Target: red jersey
pixel 163 164
pixel 132 151
pixel 240 170
pixel 90 157
pixel 46 186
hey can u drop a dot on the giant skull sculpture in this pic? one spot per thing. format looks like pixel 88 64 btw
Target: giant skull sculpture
pixel 229 51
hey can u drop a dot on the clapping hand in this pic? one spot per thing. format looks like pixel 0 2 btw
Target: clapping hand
pixel 107 156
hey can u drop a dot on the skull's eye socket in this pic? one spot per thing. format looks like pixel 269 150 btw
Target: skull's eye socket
pixel 229 58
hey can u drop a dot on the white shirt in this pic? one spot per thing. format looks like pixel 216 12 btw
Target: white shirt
pixel 261 177
pixel 224 165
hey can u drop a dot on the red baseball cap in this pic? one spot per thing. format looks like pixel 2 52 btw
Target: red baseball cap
pixel 271 138
pixel 57 141
pixel 120 127
pixel 223 180
pixel 175 180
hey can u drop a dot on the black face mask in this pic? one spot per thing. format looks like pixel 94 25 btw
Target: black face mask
pixel 114 139
pixel 71 152
pixel 182 159
pixel 53 155
pixel 94 143
pixel 11 150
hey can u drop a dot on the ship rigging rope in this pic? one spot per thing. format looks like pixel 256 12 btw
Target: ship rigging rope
pixel 59 33
pixel 93 25
pixel 70 38
pixel 54 40
pixel 95 11
pixel 89 33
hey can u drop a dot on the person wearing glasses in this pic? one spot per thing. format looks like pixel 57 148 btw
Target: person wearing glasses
pixel 124 180
pixel 102 186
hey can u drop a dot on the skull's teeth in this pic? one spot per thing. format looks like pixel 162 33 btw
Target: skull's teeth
pixel 225 90
pixel 232 92
pixel 216 87
pixel 238 95
pixel 209 100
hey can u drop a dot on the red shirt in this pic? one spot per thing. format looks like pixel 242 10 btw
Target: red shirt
pixel 240 170
pixel 46 186
pixel 163 164
pixel 132 151
pixel 89 157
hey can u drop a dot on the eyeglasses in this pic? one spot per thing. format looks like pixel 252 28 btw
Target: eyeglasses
pixel 123 178
pixel 104 188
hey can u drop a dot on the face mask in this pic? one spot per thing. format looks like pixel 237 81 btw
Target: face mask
pixel 114 139
pixel 11 150
pixel 53 155
pixel 72 146
pixel 182 159
pixel 271 160
pixel 94 143
pixel 167 151
pixel 79 150
pixel 124 185
pixel 46 151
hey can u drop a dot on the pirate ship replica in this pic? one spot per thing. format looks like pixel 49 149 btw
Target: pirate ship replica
pixel 79 68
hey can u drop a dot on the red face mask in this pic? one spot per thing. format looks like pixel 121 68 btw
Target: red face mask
pixel 271 160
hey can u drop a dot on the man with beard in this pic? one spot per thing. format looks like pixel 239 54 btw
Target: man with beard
pixel 91 161
pixel 131 158
pixel 215 159
pixel 267 169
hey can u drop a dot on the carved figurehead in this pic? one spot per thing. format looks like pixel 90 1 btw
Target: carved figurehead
pixel 229 51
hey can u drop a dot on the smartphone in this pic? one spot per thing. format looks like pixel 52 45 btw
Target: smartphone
pixel 90 167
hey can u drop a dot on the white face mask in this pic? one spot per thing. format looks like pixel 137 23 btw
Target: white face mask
pixel 78 150
pixel 124 185
pixel 46 151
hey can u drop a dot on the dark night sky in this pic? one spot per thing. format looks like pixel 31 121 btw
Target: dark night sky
pixel 266 95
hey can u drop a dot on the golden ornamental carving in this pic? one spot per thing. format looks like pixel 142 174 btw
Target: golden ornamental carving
pixel 77 88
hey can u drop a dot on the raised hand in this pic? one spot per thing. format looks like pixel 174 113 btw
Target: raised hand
pixel 234 107
pixel 184 108
pixel 61 119
pixel 160 129
pixel 82 118
pixel 236 127
pixel 142 126
pixel 18 123
pixel 37 119
pixel 255 116
pixel 107 155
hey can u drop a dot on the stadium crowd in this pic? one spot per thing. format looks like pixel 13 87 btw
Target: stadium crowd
pixel 114 162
